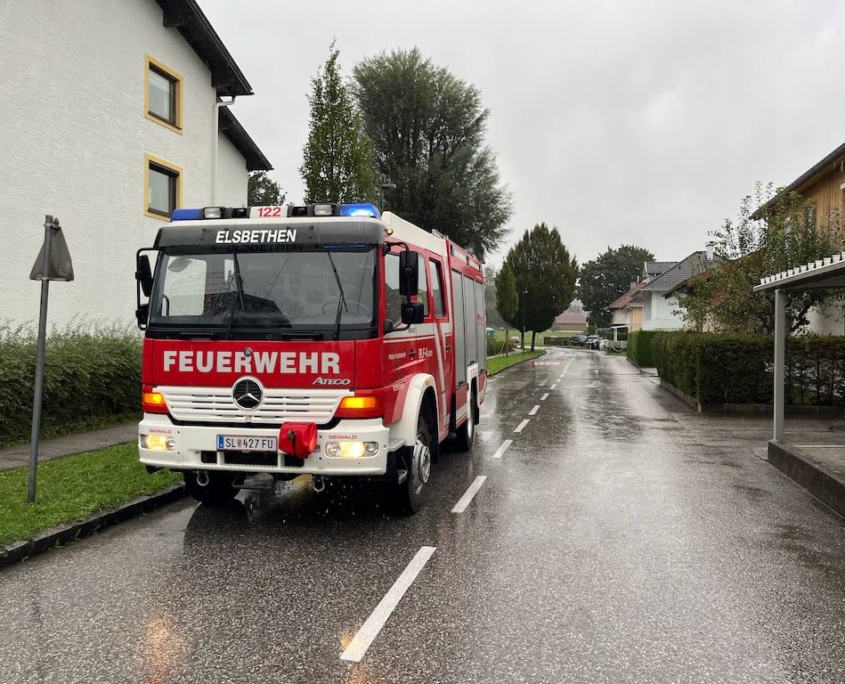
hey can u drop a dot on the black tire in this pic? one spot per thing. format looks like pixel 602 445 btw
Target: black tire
pixel 466 433
pixel 412 492
pixel 218 492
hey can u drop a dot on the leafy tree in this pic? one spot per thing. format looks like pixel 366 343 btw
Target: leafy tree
pixel 263 191
pixel 542 267
pixel 607 277
pixel 428 129
pixel 781 233
pixel 507 300
pixel 494 320
pixel 338 161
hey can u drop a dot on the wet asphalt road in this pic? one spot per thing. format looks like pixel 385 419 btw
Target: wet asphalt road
pixel 607 544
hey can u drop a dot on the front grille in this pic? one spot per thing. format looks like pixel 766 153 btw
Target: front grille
pixel 215 405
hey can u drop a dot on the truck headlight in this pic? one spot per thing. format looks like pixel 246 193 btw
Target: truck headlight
pixel 343 449
pixel 158 442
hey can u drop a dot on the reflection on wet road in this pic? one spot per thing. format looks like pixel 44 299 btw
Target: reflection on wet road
pixel 589 537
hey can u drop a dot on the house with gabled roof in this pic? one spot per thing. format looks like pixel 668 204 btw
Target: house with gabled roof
pixel 627 310
pixel 115 114
pixel 570 321
pixel 661 309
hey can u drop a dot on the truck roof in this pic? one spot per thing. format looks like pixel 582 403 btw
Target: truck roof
pixel 262 232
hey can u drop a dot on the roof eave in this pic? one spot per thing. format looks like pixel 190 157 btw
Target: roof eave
pixel 804 179
pixel 229 126
pixel 187 17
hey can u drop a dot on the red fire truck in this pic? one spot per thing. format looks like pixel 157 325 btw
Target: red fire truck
pixel 324 339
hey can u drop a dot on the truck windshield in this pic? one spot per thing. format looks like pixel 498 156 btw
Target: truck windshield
pixel 326 291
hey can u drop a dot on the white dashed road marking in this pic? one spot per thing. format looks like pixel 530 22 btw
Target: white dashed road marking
pixel 522 425
pixel 461 506
pixel 369 631
pixel 544 397
pixel 533 412
pixel 502 449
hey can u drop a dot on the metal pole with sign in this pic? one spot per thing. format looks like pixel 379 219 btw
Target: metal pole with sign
pixel 53 263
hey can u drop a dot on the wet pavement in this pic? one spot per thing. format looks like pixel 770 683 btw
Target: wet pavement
pixel 617 538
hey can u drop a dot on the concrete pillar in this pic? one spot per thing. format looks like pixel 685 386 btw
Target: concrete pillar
pixel 780 362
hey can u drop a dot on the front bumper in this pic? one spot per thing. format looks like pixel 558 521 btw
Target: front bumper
pixel 195 448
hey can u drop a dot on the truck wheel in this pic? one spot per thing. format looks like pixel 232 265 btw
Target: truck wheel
pixel 412 490
pixel 217 490
pixel 466 433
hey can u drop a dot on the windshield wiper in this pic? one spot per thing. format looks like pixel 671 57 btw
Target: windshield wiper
pixel 341 302
pixel 239 299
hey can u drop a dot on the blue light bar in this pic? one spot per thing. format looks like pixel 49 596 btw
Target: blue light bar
pixel 359 210
pixel 186 215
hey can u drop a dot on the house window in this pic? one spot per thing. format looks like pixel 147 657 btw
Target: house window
pixel 163 187
pixel 163 101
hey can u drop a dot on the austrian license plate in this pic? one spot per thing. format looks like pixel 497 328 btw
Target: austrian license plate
pixel 244 443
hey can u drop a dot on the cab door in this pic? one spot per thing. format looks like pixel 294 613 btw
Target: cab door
pixel 443 339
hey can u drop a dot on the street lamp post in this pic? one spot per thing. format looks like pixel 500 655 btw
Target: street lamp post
pixel 524 293
pixel 385 186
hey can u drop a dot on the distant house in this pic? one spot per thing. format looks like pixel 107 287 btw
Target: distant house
pixel 114 114
pixel 627 310
pixel 700 265
pixel 570 322
pixel 661 310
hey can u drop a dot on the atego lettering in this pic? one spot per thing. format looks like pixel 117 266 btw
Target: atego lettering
pixel 324 363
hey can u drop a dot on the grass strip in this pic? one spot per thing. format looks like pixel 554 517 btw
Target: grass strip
pixel 501 362
pixel 75 488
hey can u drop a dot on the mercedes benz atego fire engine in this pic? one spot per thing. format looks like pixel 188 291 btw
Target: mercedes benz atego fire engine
pixel 326 340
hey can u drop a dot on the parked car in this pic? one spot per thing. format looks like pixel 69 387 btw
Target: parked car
pixel 593 342
pixel 602 344
pixel 578 340
pixel 515 341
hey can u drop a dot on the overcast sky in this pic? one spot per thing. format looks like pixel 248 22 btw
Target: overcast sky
pixel 633 121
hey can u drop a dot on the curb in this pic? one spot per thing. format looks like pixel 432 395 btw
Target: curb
pixel 514 365
pixel 813 475
pixel 59 536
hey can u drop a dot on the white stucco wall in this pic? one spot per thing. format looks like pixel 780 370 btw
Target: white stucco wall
pixel 618 317
pixel 658 312
pixel 233 177
pixel 74 135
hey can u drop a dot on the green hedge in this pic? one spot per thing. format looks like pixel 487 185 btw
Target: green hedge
pixel 497 346
pixel 92 377
pixel 716 369
pixel 639 348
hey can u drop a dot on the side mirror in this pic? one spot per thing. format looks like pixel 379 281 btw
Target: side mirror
pixel 142 313
pixel 413 313
pixel 144 274
pixel 409 266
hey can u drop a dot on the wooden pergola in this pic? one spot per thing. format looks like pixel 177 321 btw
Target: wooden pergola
pixel 827 273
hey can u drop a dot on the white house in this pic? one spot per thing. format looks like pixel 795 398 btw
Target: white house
pixel 627 310
pixel 109 119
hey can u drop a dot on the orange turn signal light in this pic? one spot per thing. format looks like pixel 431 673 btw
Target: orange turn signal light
pixel 153 402
pixel 359 403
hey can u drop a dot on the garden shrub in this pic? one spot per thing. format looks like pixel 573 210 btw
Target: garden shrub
pixel 639 348
pixel 715 368
pixel 92 376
